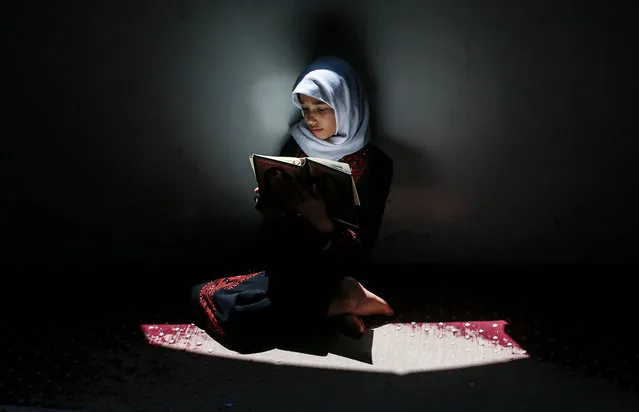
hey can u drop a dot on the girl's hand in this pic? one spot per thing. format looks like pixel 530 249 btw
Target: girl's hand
pixel 313 207
pixel 292 196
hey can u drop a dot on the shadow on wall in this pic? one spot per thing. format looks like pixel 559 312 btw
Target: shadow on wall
pixel 342 34
pixel 416 179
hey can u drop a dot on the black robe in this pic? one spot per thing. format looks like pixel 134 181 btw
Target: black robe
pixel 300 277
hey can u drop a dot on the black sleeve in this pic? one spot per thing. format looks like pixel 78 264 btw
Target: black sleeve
pixel 289 148
pixel 373 187
pixel 345 244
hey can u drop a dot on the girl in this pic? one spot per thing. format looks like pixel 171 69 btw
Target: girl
pixel 310 261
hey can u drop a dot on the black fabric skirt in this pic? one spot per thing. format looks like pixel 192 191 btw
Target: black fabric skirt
pixel 260 310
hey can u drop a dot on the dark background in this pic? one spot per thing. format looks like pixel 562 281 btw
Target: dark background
pixel 128 125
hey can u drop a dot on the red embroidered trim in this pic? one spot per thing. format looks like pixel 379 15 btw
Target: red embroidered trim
pixel 208 304
pixel 358 162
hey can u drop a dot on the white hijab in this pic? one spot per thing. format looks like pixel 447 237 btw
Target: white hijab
pixel 334 82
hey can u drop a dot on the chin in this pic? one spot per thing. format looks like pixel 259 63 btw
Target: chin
pixel 323 136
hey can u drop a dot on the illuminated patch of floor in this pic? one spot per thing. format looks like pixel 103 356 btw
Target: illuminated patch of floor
pixel 394 348
pixel 455 367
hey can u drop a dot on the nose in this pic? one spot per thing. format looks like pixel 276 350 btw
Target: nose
pixel 311 119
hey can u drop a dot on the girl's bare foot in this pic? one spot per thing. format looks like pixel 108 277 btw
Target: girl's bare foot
pixel 353 298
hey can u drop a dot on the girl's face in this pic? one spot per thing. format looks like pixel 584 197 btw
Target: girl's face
pixel 319 117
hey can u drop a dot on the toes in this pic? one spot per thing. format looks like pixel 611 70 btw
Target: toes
pixel 389 311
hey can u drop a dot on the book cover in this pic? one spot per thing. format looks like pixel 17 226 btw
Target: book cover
pixel 334 181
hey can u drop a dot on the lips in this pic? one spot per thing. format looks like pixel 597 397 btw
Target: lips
pixel 316 130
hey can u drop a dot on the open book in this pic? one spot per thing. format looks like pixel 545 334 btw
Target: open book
pixel 334 181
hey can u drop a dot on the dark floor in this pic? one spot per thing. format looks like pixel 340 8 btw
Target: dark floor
pixel 578 317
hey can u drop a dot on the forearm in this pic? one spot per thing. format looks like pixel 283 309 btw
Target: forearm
pixel 343 243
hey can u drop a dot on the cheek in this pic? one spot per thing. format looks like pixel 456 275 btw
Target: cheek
pixel 332 124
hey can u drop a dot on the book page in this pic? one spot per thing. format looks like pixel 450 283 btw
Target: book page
pixel 337 188
pixel 341 166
